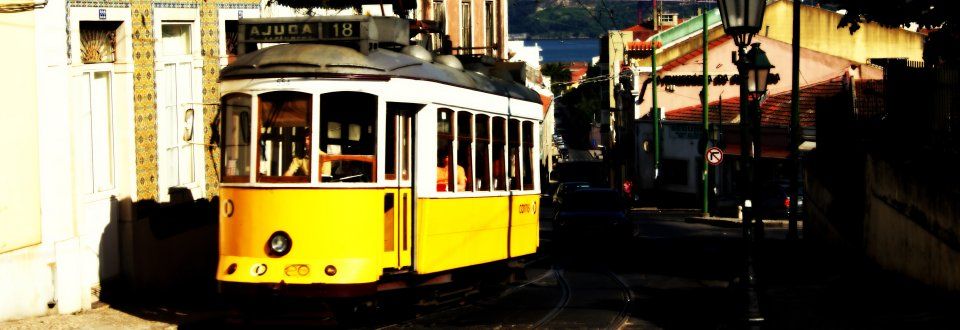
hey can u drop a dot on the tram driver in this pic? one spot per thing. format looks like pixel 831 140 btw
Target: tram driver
pixel 300 164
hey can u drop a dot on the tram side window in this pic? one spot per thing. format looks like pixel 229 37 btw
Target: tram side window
pixel 444 152
pixel 236 138
pixel 483 153
pixel 499 144
pixel 284 141
pixel 527 155
pixel 513 168
pixel 349 124
pixel 465 149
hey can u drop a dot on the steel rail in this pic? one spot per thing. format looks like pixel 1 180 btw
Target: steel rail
pixel 561 304
pixel 627 294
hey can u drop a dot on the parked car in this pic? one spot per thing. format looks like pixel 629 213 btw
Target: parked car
pixel 565 188
pixel 588 211
pixel 775 200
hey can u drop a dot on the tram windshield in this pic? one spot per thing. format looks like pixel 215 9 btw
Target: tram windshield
pixel 284 140
pixel 348 122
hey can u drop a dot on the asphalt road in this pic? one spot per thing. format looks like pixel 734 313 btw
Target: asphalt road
pixel 674 274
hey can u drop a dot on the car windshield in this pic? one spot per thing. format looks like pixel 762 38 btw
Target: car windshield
pixel 593 201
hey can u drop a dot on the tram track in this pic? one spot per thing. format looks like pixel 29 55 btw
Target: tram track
pixel 618 321
pixel 623 317
pixel 563 301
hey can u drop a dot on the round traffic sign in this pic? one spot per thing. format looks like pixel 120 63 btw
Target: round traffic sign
pixel 714 156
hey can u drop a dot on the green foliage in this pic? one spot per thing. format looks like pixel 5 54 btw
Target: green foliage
pixel 559 75
pixel 580 105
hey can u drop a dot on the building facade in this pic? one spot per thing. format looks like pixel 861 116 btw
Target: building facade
pixel 115 104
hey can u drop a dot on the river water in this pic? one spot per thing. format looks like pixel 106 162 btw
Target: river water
pixel 567 50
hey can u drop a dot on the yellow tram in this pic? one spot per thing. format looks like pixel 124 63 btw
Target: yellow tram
pixel 353 162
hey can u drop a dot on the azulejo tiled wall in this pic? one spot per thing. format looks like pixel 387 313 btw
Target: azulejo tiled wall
pixel 144 99
pixel 145 85
pixel 210 50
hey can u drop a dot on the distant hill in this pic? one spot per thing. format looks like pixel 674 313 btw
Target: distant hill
pixel 562 19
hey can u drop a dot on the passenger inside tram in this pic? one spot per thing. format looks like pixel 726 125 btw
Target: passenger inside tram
pixel 443 172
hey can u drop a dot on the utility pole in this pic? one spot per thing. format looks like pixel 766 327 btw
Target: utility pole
pixel 795 130
pixel 704 99
pixel 656 110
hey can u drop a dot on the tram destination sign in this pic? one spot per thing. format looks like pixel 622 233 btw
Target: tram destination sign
pixel 393 30
pixel 303 31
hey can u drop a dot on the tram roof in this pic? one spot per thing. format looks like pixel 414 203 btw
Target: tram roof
pixel 325 60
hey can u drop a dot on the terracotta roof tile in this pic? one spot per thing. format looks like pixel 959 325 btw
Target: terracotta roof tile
pixel 776 108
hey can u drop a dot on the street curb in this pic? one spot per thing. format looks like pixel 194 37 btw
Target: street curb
pixel 736 223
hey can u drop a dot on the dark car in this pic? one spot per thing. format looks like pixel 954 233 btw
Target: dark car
pixel 593 210
pixel 775 201
pixel 565 188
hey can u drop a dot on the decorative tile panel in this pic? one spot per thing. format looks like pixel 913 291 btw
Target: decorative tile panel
pixel 252 5
pixel 144 99
pixel 99 3
pixel 210 50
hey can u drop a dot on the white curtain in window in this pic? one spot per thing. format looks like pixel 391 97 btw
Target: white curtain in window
pixel 95 133
pixel 181 125
pixel 176 39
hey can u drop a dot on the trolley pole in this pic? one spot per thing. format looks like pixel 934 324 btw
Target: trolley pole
pixel 704 99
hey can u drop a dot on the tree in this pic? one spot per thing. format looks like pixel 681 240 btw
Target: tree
pixel 559 74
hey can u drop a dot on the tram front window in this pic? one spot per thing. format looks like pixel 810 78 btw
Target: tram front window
pixel 236 138
pixel 284 143
pixel 348 122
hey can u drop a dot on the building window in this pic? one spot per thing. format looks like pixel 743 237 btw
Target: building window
pixel 675 171
pixel 440 16
pixel 180 116
pixel 231 31
pixel 96 132
pixel 466 28
pixel 491 25
pixel 98 42
pixel 235 109
pixel 176 39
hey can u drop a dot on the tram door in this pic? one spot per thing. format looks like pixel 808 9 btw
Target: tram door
pixel 398 198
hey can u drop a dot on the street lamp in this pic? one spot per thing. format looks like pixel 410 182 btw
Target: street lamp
pixel 758 69
pixel 742 19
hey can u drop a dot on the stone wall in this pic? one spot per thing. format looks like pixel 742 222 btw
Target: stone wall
pixel 902 215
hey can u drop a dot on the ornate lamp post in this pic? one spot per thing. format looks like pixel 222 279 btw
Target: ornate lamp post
pixel 742 19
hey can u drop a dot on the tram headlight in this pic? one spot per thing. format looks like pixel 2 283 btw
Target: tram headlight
pixel 279 244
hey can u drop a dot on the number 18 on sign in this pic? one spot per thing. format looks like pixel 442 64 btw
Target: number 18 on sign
pixel 714 156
